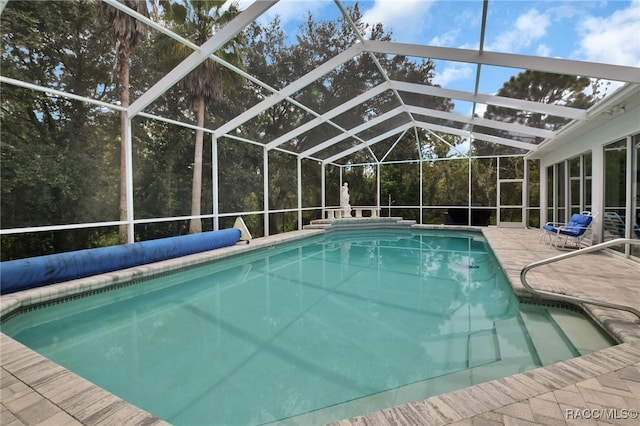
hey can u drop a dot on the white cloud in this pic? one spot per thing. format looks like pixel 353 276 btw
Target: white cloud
pixel 406 18
pixel 614 39
pixel 565 10
pixel 445 39
pixel 543 50
pixel 453 73
pixel 528 28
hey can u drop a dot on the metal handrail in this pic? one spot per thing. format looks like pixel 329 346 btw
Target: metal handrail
pixel 580 300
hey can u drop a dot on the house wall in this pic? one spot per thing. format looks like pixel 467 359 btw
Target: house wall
pixel 618 127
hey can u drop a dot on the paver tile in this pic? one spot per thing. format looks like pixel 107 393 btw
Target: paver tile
pixel 634 387
pixel 515 421
pixel 8 418
pixel 38 412
pixel 569 396
pixel 435 412
pixel 483 420
pixel 631 372
pixel 601 397
pixel 60 419
pixel 542 406
pixel 541 419
pixel 518 410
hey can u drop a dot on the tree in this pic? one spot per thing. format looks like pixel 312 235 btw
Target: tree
pixel 56 156
pixel 280 64
pixel 536 86
pixel 198 21
pixel 126 32
pixel 547 88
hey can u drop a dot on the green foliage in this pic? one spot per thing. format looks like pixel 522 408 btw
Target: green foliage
pixel 197 21
pixel 57 157
pixel 401 182
pixel 311 188
pixel 124 30
pixel 240 176
pixel 61 158
pixel 283 180
pixel 483 184
pixel 541 87
pixel 445 182
pixel 162 153
pixel 545 88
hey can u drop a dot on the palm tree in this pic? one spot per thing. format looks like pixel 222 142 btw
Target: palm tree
pixel 197 21
pixel 126 32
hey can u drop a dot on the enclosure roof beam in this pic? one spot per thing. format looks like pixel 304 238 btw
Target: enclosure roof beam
pixel 517 104
pixel 441 139
pixel 326 117
pixel 370 142
pixel 438 128
pixel 292 88
pixel 53 92
pixel 504 141
pixel 193 46
pixel 200 55
pixel 398 139
pixel 352 132
pixel 373 57
pixel 432 128
pixel 476 135
pixel 525 62
pixel 502 125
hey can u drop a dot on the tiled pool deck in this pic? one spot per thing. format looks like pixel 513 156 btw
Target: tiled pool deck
pixel 595 389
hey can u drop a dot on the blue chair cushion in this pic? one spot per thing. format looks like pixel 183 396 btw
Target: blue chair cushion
pixel 577 225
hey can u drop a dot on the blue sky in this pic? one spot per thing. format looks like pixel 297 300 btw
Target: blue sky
pixel 598 31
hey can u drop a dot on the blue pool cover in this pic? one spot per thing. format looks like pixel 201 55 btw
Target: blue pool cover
pixel 22 274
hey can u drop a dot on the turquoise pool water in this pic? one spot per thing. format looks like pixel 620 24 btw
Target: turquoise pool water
pixel 307 332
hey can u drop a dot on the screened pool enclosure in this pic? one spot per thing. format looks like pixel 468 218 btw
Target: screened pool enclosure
pixel 270 120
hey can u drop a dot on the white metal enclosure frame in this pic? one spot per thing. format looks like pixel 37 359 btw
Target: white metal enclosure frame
pixel 408 116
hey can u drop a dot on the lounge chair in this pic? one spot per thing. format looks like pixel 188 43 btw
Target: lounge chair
pixel 614 226
pixel 573 231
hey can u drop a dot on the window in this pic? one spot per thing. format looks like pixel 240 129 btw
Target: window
pixel 569 188
pixel 621 192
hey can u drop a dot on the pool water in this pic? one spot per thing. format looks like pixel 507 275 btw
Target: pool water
pixel 308 332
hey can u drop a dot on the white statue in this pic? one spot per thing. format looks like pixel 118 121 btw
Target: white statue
pixel 344 201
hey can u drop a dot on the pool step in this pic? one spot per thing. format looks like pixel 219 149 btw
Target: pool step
pixel 317 226
pixel 483 348
pixel 584 336
pixel 543 329
pixel 516 345
pixel 361 223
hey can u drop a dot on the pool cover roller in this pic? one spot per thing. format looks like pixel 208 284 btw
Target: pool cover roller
pixel 22 274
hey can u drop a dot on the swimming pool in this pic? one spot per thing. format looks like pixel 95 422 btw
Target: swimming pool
pixel 318 330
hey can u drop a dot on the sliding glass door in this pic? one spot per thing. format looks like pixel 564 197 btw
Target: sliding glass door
pixel 621 191
pixel 569 188
pixel 635 178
